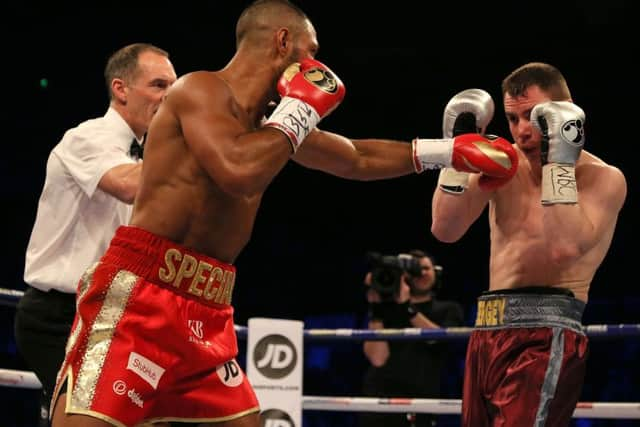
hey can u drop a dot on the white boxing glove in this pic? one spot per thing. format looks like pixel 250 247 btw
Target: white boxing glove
pixel 469 111
pixel 561 124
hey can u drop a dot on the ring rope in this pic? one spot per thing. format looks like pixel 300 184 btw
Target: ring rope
pixel 630 410
pixel 389 334
pixel 592 331
pixel 26 379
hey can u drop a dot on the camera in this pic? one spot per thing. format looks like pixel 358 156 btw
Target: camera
pixel 387 270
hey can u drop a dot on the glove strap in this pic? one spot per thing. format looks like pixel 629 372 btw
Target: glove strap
pixel 295 118
pixel 559 184
pixel 431 153
pixel 453 182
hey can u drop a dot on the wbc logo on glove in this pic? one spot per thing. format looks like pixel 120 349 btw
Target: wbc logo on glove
pixel 573 132
pixel 323 79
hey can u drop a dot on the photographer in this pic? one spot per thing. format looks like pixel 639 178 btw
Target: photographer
pixel 401 294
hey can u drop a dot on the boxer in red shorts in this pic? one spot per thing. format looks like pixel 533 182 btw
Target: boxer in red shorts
pixel 210 155
pixel 128 361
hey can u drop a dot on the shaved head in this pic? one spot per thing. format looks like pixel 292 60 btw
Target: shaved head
pixel 264 16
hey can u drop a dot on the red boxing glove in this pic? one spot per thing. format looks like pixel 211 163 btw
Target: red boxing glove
pixel 478 154
pixel 491 183
pixel 314 83
pixel 310 91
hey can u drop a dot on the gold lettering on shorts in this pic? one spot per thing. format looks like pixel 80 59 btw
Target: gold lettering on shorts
pixel 491 312
pixel 198 278
pixel 167 275
pixel 207 282
pixel 224 296
pixel 213 284
pixel 187 269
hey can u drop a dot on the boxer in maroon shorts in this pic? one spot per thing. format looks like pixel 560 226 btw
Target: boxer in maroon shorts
pixel 551 225
pixel 526 358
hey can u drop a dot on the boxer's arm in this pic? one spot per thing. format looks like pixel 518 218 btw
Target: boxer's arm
pixel 574 226
pixel 359 159
pixel 370 159
pixel 571 230
pixel 453 214
pixel 239 162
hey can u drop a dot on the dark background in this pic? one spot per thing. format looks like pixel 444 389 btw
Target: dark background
pixel 401 61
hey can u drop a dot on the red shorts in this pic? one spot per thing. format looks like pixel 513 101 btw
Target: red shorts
pixel 525 361
pixel 153 338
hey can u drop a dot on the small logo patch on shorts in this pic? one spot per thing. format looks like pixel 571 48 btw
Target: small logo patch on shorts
pixel 230 373
pixel 145 368
pixel 135 398
pixel 491 312
pixel 119 387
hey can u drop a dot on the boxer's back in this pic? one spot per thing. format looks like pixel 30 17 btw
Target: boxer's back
pixel 177 198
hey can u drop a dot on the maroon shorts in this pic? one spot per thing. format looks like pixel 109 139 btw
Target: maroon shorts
pixel 153 338
pixel 525 361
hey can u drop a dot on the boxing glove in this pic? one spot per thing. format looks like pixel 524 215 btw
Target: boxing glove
pixel 309 92
pixel 491 183
pixel 561 124
pixel 469 111
pixel 470 152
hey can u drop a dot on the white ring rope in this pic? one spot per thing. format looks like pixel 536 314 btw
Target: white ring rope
pixel 631 410
pixel 19 379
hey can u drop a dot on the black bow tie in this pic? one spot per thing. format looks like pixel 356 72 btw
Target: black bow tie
pixel 136 151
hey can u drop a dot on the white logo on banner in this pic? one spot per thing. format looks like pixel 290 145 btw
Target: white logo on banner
pixel 145 368
pixel 275 418
pixel 230 373
pixel 275 356
pixel 277 423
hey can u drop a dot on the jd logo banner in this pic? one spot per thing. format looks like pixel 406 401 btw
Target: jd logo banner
pixel 275 357
pixel 275 418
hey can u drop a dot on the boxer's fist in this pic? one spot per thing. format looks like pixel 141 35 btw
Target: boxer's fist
pixel 470 152
pixel 493 156
pixel 491 183
pixel 469 111
pixel 309 91
pixel 561 124
pixel 314 83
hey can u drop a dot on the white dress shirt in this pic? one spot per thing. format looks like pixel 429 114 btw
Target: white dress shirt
pixel 76 220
